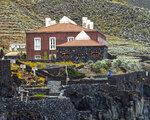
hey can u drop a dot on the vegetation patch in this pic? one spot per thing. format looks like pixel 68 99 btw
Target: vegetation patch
pixel 38 96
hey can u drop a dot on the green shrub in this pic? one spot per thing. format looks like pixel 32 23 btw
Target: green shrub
pixel 45 56
pixel 126 63
pixel 75 74
pixel 89 62
pixel 38 95
pixel 99 65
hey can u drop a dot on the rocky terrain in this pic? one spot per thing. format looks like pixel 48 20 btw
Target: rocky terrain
pixel 123 97
pixel 110 16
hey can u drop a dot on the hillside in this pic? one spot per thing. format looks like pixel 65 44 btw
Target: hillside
pixel 140 3
pixel 111 17
pixel 14 20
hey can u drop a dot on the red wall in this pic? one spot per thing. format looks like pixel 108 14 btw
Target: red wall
pixel 60 38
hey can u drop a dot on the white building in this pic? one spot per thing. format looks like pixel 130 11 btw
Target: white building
pixel 17 47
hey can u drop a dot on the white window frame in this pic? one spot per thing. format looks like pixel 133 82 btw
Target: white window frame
pixel 70 38
pixel 37 57
pixel 52 44
pixel 37 47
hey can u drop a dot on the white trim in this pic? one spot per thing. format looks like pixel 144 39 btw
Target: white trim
pixel 70 39
pixel 37 47
pixel 65 19
pixel 82 36
pixel 37 57
pixel 52 43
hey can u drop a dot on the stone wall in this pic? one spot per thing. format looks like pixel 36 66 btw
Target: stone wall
pixel 46 109
pixel 86 101
pixel 122 82
pixel 78 54
pixel 54 86
pixel 114 99
pixel 5 73
pixel 7 83
pixel 34 91
pixel 105 101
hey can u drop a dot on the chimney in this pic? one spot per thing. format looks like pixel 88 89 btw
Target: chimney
pixel 84 22
pixel 53 22
pixel 47 22
pixel 91 25
pixel 88 24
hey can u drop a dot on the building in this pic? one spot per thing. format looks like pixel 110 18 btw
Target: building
pixel 17 47
pixel 82 49
pixel 12 55
pixel 56 38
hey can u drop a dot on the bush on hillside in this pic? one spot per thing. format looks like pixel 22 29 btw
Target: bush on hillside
pixel 100 66
pixel 128 64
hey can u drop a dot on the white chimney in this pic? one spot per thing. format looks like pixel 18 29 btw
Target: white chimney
pixel 47 22
pixel 88 24
pixel 91 25
pixel 84 21
pixel 53 22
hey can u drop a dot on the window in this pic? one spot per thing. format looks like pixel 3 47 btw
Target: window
pixel 37 57
pixel 70 39
pixel 52 43
pixel 52 56
pixel 37 43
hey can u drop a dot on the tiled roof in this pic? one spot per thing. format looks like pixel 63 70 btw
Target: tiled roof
pixel 76 43
pixel 12 54
pixel 61 27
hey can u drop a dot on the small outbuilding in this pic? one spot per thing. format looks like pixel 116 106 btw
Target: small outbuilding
pixel 82 49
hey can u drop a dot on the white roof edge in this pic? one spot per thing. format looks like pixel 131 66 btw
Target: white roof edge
pixel 65 19
pixel 82 36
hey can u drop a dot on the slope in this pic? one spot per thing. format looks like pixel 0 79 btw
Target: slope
pixel 140 3
pixel 109 16
pixel 14 21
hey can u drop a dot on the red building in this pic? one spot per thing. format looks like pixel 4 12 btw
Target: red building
pixel 44 42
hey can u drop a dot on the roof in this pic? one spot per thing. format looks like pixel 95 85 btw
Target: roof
pixel 76 43
pixel 82 36
pixel 67 20
pixel 12 54
pixel 61 27
pixel 82 39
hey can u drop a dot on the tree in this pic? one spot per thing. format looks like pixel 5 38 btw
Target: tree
pixel 1 53
pixel 45 56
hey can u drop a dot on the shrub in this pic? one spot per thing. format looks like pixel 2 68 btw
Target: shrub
pixel 45 56
pixel 73 73
pixel 89 62
pixel 101 65
pixel 126 63
pixel 38 95
pixel 23 56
